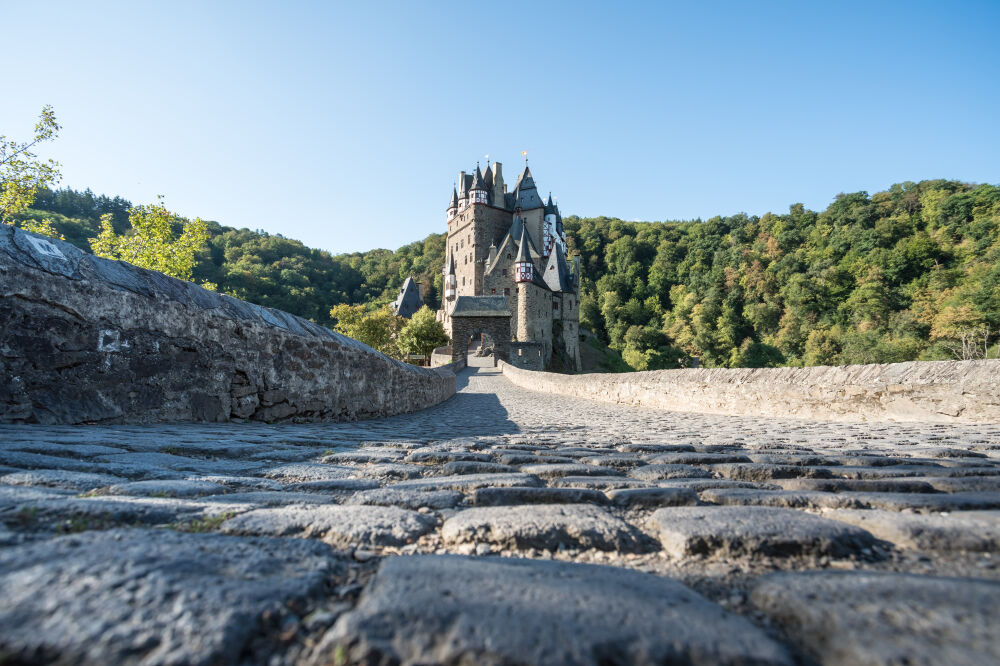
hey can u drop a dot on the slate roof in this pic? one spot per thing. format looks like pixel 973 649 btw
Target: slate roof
pixel 481 306
pixel 556 274
pixel 523 256
pixel 408 301
pixel 454 199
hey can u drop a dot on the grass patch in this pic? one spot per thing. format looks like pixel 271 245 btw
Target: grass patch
pixel 201 525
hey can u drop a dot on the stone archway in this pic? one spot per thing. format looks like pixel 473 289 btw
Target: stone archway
pixel 496 328
pixel 480 315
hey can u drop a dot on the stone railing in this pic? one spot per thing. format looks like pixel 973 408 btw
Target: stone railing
pixel 939 391
pixel 84 339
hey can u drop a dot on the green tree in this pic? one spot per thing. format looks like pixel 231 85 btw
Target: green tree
pixel 378 328
pixel 22 173
pixel 422 333
pixel 151 242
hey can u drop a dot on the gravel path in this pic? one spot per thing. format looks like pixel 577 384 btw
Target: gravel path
pixel 503 526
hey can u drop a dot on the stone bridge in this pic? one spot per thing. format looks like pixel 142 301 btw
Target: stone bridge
pixel 502 526
pixel 515 522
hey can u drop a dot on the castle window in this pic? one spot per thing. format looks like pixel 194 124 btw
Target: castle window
pixel 493 291
pixel 555 305
pixel 504 272
pixel 506 291
pixel 463 280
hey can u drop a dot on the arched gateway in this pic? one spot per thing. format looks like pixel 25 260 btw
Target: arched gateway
pixel 480 316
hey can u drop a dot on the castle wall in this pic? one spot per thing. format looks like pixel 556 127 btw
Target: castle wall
pixel 91 340
pixel 925 391
pixel 534 316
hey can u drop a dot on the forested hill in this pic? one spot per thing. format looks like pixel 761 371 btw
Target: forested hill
pixel 268 269
pixel 910 273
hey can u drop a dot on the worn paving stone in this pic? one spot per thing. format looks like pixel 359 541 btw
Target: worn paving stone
pixel 754 530
pixel 958 484
pixel 889 485
pixel 597 482
pixel 450 610
pixel 334 485
pixel 341 526
pixel 976 531
pixel 698 458
pixel 546 471
pixel 391 471
pixel 841 618
pixel 469 482
pixel 767 471
pixel 472 467
pixel 515 496
pixel 543 526
pixel 151 596
pixel 659 472
pixel 59 478
pixel 432 457
pixel 653 447
pixel 652 497
pixel 408 499
pixel 930 501
pixel 270 498
pixel 379 455
pixel 302 472
pixel 790 499
pixel 175 488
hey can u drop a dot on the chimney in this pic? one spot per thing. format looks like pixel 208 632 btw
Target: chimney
pixel 461 182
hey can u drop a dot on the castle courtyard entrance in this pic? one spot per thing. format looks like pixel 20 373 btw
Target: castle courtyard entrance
pixel 478 319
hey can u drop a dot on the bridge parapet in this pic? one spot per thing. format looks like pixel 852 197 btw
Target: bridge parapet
pixel 922 391
pixel 85 339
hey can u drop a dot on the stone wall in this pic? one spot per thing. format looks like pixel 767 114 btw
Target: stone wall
pixel 84 339
pixel 940 391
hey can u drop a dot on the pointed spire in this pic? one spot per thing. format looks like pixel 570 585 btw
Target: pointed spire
pixel 556 275
pixel 451 264
pixel 454 198
pixel 477 180
pixel 522 252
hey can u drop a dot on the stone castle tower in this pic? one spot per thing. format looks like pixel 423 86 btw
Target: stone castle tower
pixel 512 244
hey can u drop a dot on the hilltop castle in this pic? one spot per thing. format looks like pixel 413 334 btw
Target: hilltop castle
pixel 511 245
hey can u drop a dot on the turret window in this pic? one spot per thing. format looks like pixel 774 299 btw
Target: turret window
pixel 504 271
pixel 506 291
pixel 493 291
pixel 555 305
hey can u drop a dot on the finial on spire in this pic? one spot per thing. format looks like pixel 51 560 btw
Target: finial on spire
pixel 524 153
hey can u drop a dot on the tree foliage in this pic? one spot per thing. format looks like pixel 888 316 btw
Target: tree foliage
pixel 377 327
pixel 910 273
pixel 421 334
pixel 151 242
pixel 22 174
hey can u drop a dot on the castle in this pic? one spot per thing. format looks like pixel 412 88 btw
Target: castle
pixel 509 249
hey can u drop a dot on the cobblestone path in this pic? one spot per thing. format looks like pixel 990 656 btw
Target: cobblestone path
pixel 503 526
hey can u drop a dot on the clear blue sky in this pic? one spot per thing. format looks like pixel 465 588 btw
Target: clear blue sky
pixel 345 124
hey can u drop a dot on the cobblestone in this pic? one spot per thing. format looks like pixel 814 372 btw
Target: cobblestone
pixel 509 478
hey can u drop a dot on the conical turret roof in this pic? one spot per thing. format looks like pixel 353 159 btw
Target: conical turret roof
pixel 454 198
pixel 477 181
pixel 557 276
pixel 523 256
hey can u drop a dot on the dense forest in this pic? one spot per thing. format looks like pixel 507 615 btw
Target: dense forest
pixel 264 268
pixel 910 273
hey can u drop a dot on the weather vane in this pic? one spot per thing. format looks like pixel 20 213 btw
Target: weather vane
pixel 524 154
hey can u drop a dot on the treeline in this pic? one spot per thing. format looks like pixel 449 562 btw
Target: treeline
pixel 910 273
pixel 264 268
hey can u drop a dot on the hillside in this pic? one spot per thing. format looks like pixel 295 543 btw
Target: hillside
pixel 264 268
pixel 909 273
